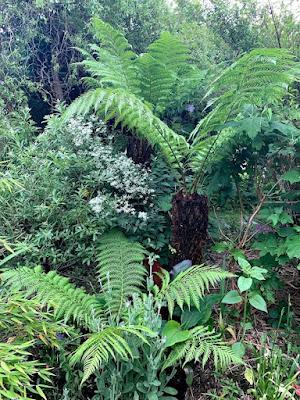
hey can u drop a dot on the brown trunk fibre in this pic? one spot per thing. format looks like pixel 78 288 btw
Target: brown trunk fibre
pixel 189 226
pixel 139 150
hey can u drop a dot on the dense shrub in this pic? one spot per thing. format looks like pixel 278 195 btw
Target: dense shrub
pixel 74 186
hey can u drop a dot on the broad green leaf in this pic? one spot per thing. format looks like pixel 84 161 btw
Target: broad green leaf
pixel 244 283
pixel 170 390
pixel 258 273
pixel 258 302
pixel 239 349
pixel 244 264
pixel 152 396
pixel 251 126
pixel 292 176
pixel 293 246
pixel 232 297
pixel 174 333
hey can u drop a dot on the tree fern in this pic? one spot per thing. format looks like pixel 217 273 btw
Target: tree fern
pixel 114 63
pixel 101 346
pixel 189 286
pixel 259 78
pixel 68 302
pixel 131 112
pixel 121 270
pixel 203 345
pixel 164 68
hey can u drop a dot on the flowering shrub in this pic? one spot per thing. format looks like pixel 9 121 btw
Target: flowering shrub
pixel 75 186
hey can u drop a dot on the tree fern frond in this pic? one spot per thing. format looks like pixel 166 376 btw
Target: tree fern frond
pixel 211 149
pixel 203 345
pixel 128 110
pixel 161 70
pixel 114 63
pixel 169 51
pixel 260 77
pixel 157 82
pixel 68 302
pixel 121 270
pixel 109 343
pixel 190 286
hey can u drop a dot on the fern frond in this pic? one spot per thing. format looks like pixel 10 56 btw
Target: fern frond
pixel 169 51
pixel 260 77
pixel 109 343
pixel 114 64
pixel 121 270
pixel 211 149
pixel 161 69
pixel 68 302
pixel 128 110
pixel 190 286
pixel 157 82
pixel 203 345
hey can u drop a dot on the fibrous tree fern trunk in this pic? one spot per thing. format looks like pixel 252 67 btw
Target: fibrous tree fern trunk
pixel 139 150
pixel 189 226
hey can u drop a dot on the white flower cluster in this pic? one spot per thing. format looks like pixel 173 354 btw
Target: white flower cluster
pixel 82 132
pixel 122 186
pixel 128 183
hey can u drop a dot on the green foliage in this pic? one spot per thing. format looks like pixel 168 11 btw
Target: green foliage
pixel 275 374
pixel 17 372
pixel 74 183
pixel 259 78
pixel 121 270
pixel 25 329
pixel 203 344
pixel 189 286
pixel 109 343
pixel 68 302
pixel 122 311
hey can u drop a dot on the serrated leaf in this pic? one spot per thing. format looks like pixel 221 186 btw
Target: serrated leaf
pixel 232 297
pixel 244 283
pixel 258 302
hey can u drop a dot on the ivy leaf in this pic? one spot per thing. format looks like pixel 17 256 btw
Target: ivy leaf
pixel 292 176
pixel 232 297
pixel 244 283
pixel 258 302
